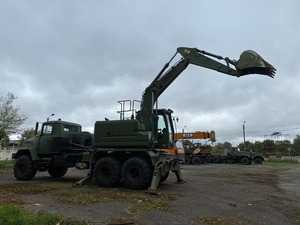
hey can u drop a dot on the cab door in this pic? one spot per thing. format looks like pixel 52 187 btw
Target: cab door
pixel 46 137
pixel 165 131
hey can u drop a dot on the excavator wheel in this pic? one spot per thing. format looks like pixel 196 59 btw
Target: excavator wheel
pixel 107 171
pixel 137 173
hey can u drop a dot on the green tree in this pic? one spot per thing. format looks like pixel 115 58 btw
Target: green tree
pixel 258 146
pixel 225 145
pixel 296 145
pixel 269 146
pixel 10 119
pixel 27 133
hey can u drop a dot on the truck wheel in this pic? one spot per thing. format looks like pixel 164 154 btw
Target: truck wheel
pixel 84 138
pixel 196 161
pixel 137 173
pixel 258 160
pixel 245 161
pixel 108 171
pixel 58 171
pixel 24 168
pixel 208 159
pixel 187 160
pixel 230 160
pixel 215 159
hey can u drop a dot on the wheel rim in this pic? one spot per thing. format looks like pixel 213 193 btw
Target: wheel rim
pixel 133 173
pixel 21 168
pixel 105 172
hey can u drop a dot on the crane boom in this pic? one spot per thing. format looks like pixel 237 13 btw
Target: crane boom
pixel 196 135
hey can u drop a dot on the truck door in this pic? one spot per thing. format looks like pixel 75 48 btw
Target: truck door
pixel 45 141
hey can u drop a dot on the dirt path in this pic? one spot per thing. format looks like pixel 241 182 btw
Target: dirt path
pixel 212 194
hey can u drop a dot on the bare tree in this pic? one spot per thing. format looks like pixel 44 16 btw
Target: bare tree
pixel 10 119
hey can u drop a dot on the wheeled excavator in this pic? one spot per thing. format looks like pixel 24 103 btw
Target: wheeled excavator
pixel 134 150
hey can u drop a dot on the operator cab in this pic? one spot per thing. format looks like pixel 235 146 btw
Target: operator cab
pixel 165 129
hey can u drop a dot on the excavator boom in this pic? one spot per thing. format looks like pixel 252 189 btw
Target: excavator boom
pixel 249 63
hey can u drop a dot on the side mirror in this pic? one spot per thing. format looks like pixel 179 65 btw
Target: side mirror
pixel 36 128
pixel 252 63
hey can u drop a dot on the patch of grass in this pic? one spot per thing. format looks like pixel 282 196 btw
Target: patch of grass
pixel 120 220
pixel 65 192
pixel 224 220
pixel 14 215
pixel 273 161
pixel 6 164
pixel 143 203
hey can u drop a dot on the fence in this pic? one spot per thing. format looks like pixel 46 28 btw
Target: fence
pixel 6 153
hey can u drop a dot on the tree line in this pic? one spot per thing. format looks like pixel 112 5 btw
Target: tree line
pixel 268 146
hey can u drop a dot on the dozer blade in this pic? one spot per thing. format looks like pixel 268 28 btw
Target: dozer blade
pixel 252 63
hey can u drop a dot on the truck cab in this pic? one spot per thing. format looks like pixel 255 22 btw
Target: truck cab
pixel 57 146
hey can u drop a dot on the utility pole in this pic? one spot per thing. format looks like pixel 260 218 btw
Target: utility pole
pixel 244 134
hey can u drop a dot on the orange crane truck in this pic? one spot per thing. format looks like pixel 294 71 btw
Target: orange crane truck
pixel 195 153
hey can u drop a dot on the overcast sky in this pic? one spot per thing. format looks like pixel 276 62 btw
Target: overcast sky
pixel 76 59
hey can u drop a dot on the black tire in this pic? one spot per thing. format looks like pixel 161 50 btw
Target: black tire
pixel 196 160
pixel 216 159
pixel 24 168
pixel 208 159
pixel 230 160
pixel 258 160
pixel 58 171
pixel 84 138
pixel 107 171
pixel 245 161
pixel 165 177
pixel 137 173
pixel 187 160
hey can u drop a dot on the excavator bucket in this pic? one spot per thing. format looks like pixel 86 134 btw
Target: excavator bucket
pixel 252 63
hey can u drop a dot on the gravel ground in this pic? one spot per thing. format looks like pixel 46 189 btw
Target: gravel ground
pixel 213 194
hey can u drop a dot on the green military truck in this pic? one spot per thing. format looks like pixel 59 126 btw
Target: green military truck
pixel 235 155
pixel 58 146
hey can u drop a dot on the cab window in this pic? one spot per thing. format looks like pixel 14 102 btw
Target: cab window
pixel 69 128
pixel 47 129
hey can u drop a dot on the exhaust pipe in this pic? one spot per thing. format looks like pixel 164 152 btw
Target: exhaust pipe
pixel 252 63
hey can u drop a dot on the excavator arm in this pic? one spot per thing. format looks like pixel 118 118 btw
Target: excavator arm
pixel 249 63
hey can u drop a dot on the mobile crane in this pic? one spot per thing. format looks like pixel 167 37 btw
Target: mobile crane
pixel 134 150
pixel 195 153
